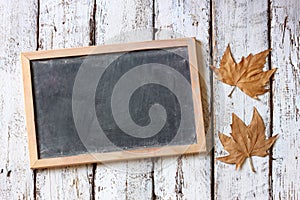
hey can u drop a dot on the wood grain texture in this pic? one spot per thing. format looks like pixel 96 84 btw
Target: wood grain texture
pixel 123 21
pixel 285 36
pixel 186 177
pixel 244 25
pixel 64 24
pixel 17 33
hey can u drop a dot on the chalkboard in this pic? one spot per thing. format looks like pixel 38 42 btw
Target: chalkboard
pixel 113 102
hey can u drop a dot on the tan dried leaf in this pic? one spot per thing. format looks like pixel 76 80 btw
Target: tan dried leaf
pixel 248 74
pixel 246 141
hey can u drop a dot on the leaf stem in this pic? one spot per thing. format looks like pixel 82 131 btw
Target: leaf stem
pixel 251 164
pixel 232 91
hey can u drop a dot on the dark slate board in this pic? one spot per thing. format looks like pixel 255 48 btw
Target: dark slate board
pixel 75 99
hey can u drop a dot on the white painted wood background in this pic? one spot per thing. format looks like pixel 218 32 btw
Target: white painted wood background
pixel 250 26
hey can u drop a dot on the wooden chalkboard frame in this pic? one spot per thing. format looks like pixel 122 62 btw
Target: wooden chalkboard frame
pixel 194 60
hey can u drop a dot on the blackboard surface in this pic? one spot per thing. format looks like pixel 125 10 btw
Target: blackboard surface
pixel 111 102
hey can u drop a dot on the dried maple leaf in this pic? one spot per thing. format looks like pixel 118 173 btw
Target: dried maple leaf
pixel 246 141
pixel 248 74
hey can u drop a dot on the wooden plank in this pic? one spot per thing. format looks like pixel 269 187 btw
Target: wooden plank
pixel 17 30
pixel 243 24
pixel 123 21
pixel 64 24
pixel 285 35
pixel 186 177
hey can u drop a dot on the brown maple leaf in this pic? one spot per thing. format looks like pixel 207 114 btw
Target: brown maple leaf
pixel 246 141
pixel 248 74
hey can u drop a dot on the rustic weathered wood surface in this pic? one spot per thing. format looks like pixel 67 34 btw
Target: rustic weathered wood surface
pixel 249 26
pixel 186 177
pixel 18 33
pixel 285 40
pixel 243 25
pixel 120 21
pixel 64 24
